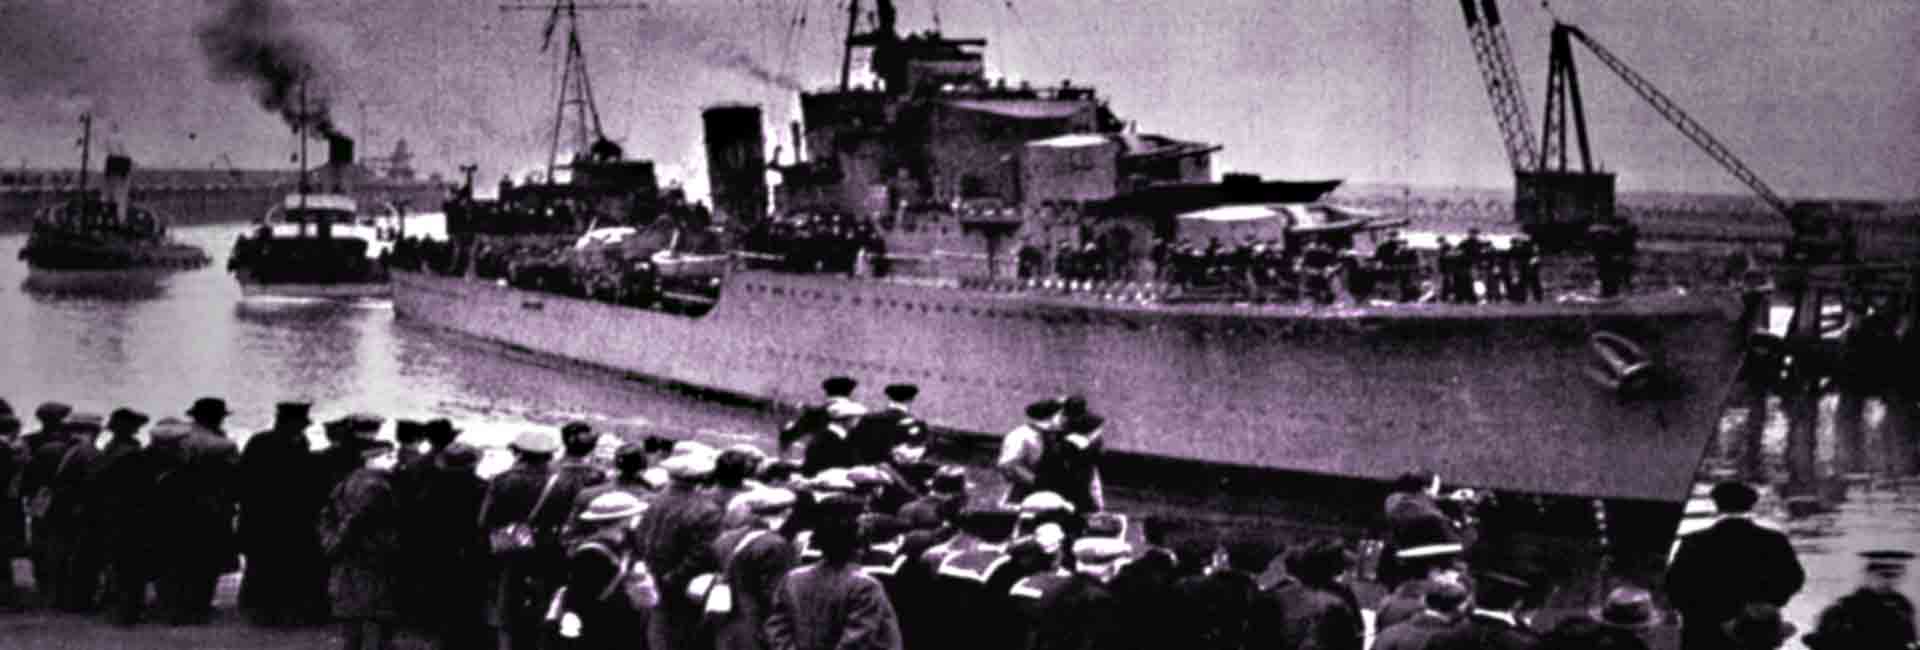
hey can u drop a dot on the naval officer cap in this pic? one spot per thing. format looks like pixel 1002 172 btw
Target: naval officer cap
pixel 902 392
pixel 688 467
pixel 839 386
pixel 52 411
pixel 1090 551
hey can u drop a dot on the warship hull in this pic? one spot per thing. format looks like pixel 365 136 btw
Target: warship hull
pixel 1534 398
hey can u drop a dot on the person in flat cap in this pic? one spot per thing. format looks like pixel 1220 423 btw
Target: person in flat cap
pixel 115 521
pixel 1495 622
pixel 1317 609
pixel 1081 611
pixel 832 604
pixel 578 441
pixel 1433 564
pixel 216 460
pixel 1876 616
pixel 13 520
pixel 753 558
pixel 1413 518
pixel 281 481
pixel 946 494
pixel 59 485
pixel 1023 448
pixel 531 493
pixel 630 464
pixel 359 533
pixel 1716 571
pixel 675 540
pixel 444 543
pixel 880 432
pixel 598 614
pixel 50 415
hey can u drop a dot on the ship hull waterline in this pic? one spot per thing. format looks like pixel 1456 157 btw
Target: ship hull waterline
pixel 1502 397
pixel 317 291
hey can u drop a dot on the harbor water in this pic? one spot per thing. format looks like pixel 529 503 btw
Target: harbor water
pixel 156 347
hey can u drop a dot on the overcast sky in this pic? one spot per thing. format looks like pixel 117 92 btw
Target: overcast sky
pixel 1819 98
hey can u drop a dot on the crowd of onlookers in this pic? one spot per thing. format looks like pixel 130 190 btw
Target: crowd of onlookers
pixel 856 542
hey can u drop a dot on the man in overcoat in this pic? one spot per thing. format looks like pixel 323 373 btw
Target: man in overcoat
pixel 1717 571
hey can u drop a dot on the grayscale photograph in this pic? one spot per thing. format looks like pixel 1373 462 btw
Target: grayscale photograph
pixel 959 324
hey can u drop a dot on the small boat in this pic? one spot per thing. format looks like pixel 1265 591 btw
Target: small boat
pixel 91 241
pixel 314 245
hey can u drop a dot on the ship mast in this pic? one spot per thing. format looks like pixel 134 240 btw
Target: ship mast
pixel 86 150
pixel 576 89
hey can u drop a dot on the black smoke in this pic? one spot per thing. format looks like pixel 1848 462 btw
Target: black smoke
pixel 254 42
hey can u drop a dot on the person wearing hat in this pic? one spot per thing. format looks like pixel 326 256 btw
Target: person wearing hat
pixel 946 494
pixel 279 479
pixel 1317 609
pixel 832 604
pixel 113 529
pixel 597 562
pixel 1495 622
pixel 1435 564
pixel 1443 607
pixel 907 470
pixel 732 468
pixel 675 540
pixel 1022 449
pixel 209 438
pixel 58 527
pixel 1876 616
pixel 1715 572
pixel 45 449
pixel 443 539
pixel 875 437
pixel 1070 459
pixel 629 477
pixel 1413 518
pixel 13 520
pixel 753 558
pixel 359 530
pixel 1759 627
pixel 1216 606
pixel 175 506
pixel 1619 622
pixel 1082 611
pixel 532 494
pixel 337 460
pixel 578 441
pixel 814 427
pixel 411 436
pixel 50 415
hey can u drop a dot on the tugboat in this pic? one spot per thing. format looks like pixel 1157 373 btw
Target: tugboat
pixel 316 244
pixel 105 242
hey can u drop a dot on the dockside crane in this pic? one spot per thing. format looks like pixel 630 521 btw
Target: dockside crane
pixel 1818 235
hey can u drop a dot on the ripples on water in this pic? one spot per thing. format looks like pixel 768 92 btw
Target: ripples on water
pixel 157 347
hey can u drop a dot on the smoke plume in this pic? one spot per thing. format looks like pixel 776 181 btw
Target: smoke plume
pixel 727 55
pixel 254 42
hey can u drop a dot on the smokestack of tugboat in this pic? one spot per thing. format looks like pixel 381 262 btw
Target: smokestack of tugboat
pixel 339 161
pixel 736 163
pixel 119 184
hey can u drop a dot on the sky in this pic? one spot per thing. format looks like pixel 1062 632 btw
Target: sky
pixel 1818 98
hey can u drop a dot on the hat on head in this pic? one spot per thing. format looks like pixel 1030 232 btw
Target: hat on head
pixel 1045 502
pixel 1074 406
pixel 1887 562
pixel 611 506
pixel 1093 551
pixel 768 501
pixel 949 479
pixel 1627 607
pixel 126 419
pixel 630 457
pixel 747 449
pixel 409 431
pixel 169 428
pixel 838 386
pixel 1043 409
pixel 1759 625
pixel 52 411
pixel 1426 551
pixel 868 476
pixel 535 442
pixel 685 447
pixel 365 423
pixel 832 479
pixel 575 429
pixel 292 411
pixel 688 467
pixel 846 408
pixel 1733 496
pixel 441 432
pixel 902 392
pixel 9 424
pixel 83 423
pixel 209 407
pixel 911 432
pixel 459 455
pixel 655 477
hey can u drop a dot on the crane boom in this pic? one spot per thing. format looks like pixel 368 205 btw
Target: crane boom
pixel 1686 124
pixel 1495 57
